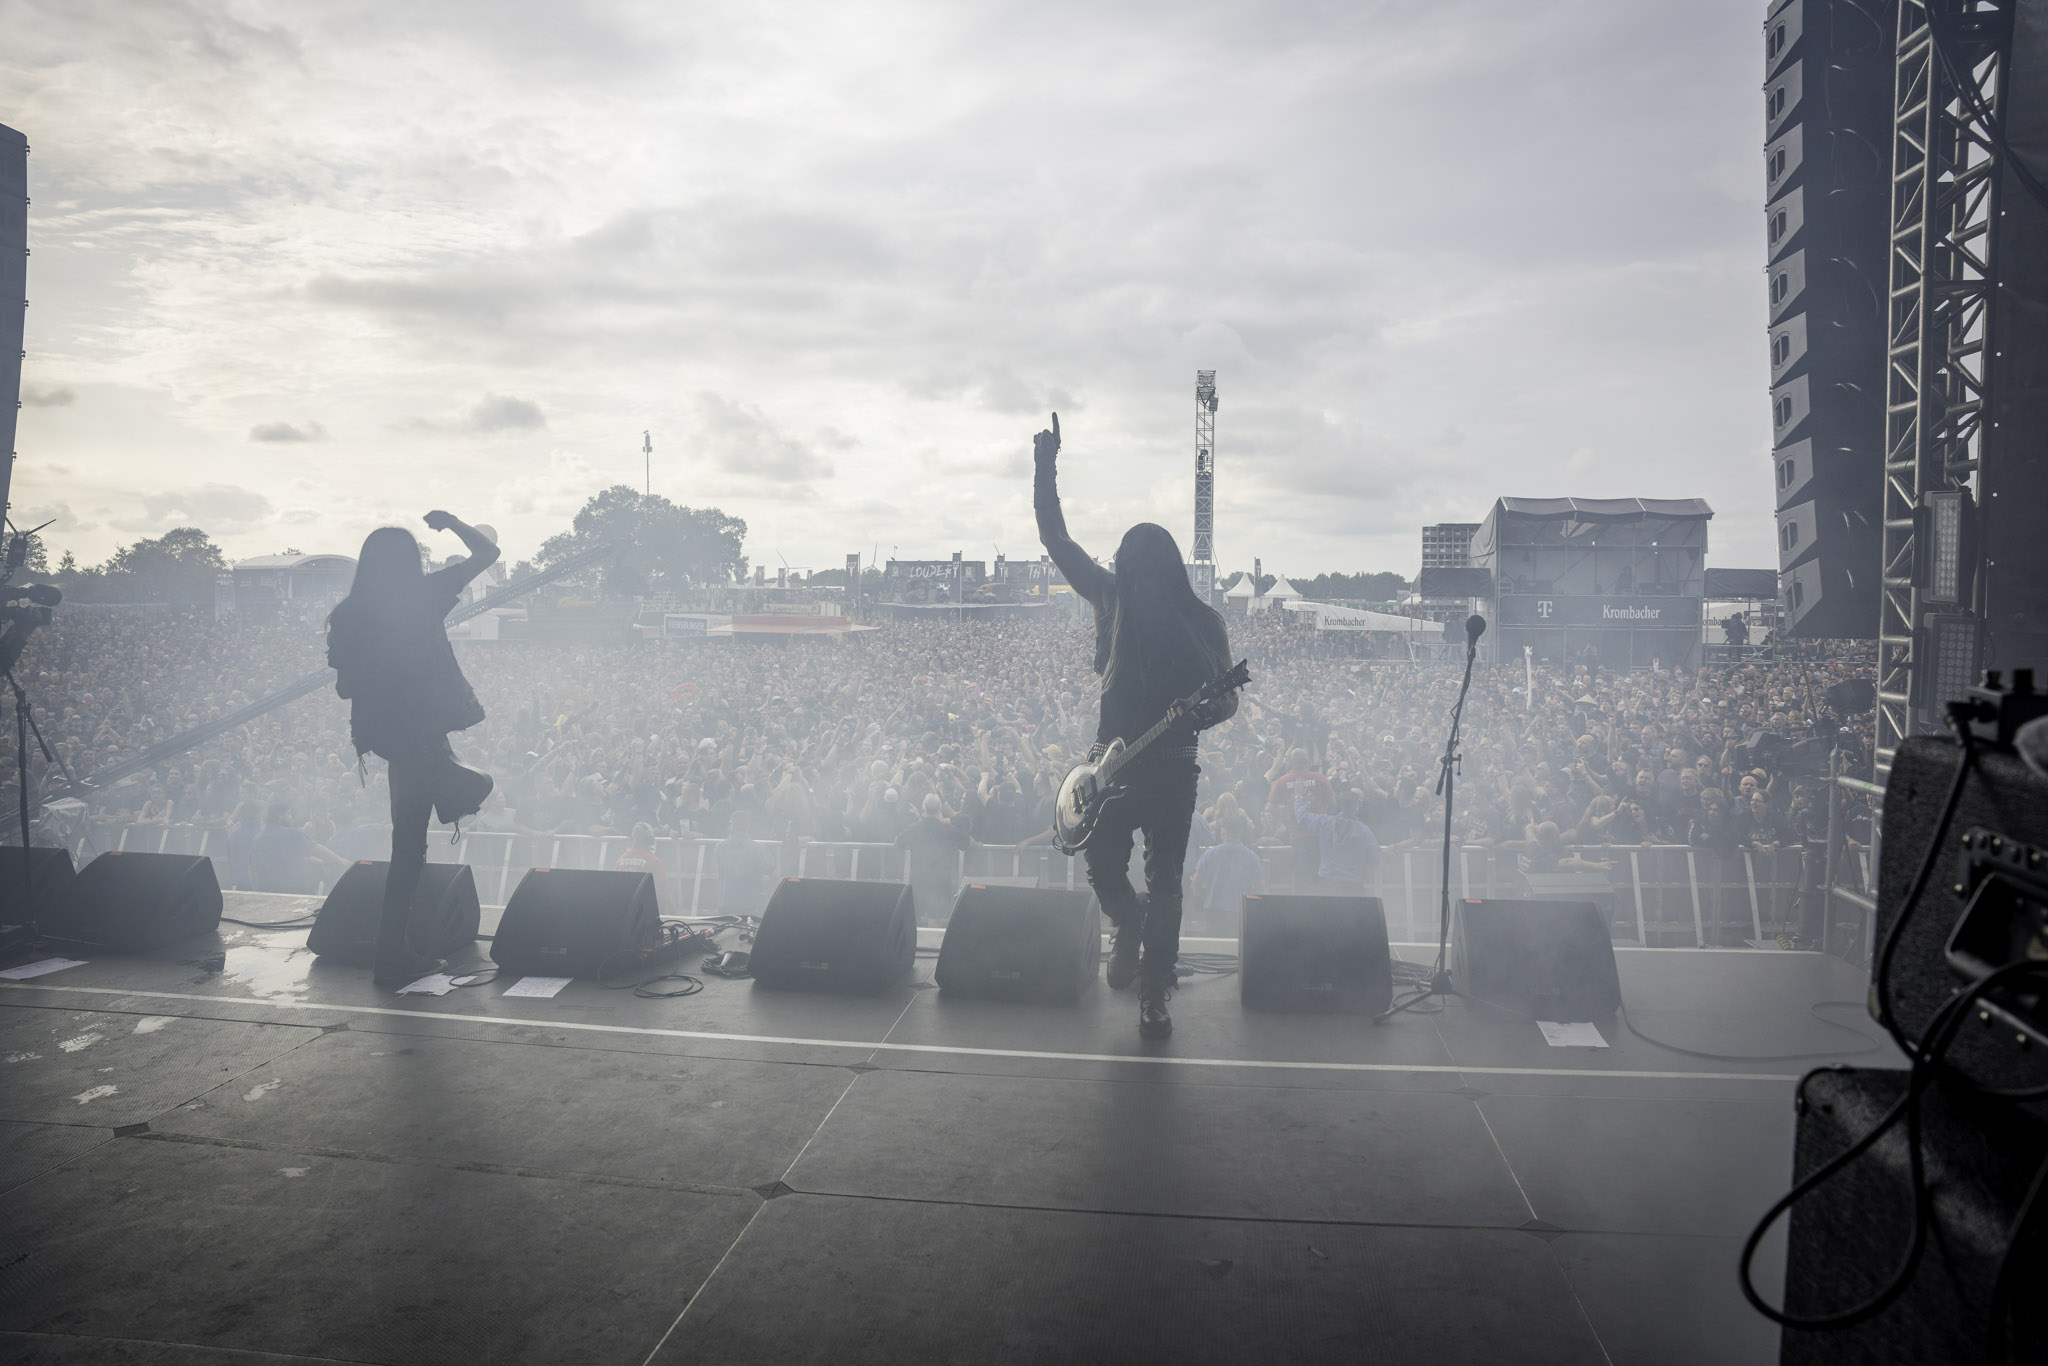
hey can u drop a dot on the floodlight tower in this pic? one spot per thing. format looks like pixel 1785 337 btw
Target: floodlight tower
pixel 1202 569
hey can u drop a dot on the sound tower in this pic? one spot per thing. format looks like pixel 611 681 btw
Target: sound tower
pixel 568 922
pixel 819 934
pixel 445 914
pixel 132 903
pixel 1828 67
pixel 13 290
pixel 1543 960
pixel 1314 953
pixel 1021 944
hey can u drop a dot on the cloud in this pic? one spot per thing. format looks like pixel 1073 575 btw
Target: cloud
pixel 286 433
pixel 499 413
pixel 741 440
pixel 48 395
pixel 212 507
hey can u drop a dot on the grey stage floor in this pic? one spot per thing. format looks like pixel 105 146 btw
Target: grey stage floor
pixel 230 1152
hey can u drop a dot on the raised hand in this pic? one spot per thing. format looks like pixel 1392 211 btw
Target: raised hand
pixel 438 520
pixel 1046 445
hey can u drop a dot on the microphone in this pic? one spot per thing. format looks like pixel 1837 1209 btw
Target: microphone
pixel 1475 627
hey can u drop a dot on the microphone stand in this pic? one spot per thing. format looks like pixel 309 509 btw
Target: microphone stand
pixel 1446 783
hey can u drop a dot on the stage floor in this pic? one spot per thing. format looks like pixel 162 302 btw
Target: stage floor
pixel 230 1152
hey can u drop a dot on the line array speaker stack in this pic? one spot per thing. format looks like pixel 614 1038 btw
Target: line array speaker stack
pixel 50 873
pixel 1545 960
pixel 13 290
pixel 132 903
pixel 566 922
pixel 1314 953
pixel 445 914
pixel 1828 68
pixel 820 934
pixel 1021 944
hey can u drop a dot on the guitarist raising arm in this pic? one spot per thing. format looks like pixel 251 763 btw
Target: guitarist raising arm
pixel 1155 642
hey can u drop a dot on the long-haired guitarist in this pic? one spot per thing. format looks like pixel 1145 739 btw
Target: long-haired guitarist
pixel 1155 642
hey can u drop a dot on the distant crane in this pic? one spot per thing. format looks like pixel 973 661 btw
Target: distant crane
pixel 1202 570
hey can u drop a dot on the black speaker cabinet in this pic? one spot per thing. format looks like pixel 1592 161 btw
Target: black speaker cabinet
pixel 824 935
pixel 1848 1234
pixel 1314 953
pixel 136 902
pixel 567 922
pixel 50 874
pixel 444 913
pixel 1021 944
pixel 2001 795
pixel 1546 960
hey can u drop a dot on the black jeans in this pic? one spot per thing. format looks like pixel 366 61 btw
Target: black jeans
pixel 1159 799
pixel 416 776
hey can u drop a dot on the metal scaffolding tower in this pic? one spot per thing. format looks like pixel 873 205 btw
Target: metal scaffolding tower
pixel 1946 169
pixel 1202 569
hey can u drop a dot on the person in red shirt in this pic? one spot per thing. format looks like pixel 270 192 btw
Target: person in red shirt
pixel 640 858
pixel 1303 783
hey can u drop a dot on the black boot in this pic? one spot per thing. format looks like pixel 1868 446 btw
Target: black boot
pixel 1153 1021
pixel 463 792
pixel 1123 955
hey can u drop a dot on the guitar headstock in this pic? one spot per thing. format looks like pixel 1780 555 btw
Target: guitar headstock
pixel 1237 676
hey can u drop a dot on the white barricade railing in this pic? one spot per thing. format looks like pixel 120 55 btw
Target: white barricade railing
pixel 1657 895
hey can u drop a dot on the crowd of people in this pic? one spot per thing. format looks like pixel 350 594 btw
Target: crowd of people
pixel 970 723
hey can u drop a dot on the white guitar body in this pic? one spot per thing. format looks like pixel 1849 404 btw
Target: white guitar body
pixel 1082 797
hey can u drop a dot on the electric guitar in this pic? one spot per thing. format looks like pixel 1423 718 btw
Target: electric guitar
pixel 1091 787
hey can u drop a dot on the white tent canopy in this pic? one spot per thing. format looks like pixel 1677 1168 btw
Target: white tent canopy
pixel 1282 590
pixel 1330 617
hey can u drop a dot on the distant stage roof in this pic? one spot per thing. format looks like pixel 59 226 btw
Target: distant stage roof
pixel 1742 583
pixel 1618 509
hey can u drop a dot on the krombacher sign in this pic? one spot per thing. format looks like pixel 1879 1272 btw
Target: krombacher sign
pixel 1541 609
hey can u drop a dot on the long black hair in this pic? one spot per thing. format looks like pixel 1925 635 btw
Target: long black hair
pixel 1160 633
pixel 388 573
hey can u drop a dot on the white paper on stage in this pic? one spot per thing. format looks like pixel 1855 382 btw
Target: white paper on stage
pixel 1575 1035
pixel 27 970
pixel 433 984
pixel 537 986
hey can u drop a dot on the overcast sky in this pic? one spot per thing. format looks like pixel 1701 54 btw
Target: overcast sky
pixel 302 269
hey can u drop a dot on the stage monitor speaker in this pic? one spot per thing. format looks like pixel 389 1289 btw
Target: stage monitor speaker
pixel 823 935
pixel 1547 960
pixel 1314 953
pixel 1846 1235
pixel 128 903
pixel 568 922
pixel 1021 944
pixel 50 873
pixel 444 913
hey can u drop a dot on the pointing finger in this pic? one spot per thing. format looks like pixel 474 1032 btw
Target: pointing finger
pixel 1055 431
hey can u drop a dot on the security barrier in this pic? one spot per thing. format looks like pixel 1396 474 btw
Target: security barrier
pixel 1659 895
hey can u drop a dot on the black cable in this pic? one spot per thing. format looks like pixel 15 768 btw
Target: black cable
pixel 676 940
pixel 1206 964
pixel 477 978
pixel 1925 1066
pixel 1869 1046
pixel 297 923
pixel 1958 715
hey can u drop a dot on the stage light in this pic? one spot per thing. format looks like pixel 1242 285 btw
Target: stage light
pixel 1941 546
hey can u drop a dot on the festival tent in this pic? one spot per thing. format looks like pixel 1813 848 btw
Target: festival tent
pixel 1241 591
pixel 1282 590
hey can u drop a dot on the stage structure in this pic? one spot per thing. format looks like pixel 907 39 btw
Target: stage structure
pixel 1965 564
pixel 13 291
pixel 1827 104
pixel 1621 578
pixel 1202 570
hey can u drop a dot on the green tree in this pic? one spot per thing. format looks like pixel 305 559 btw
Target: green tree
pixel 666 547
pixel 177 567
